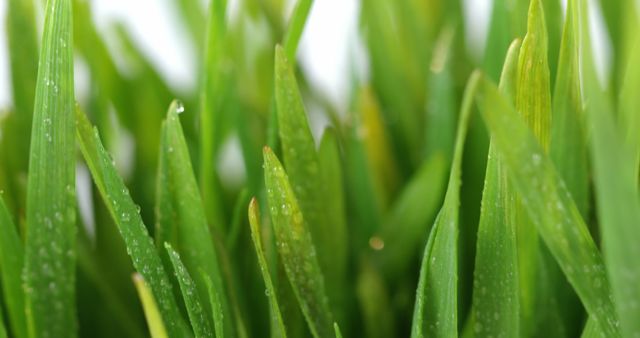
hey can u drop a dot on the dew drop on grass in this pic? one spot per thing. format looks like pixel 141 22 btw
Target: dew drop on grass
pixel 376 243
pixel 179 107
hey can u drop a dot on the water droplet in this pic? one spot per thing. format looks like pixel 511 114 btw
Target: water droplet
pixel 266 292
pixel 376 243
pixel 125 217
pixel 179 107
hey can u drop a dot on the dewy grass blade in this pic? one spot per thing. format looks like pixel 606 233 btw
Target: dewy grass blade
pixel 151 312
pixel 549 206
pixel 296 248
pixel 197 314
pixel 495 285
pixel 193 238
pixel 277 324
pixel 49 271
pixel 307 177
pixel 127 218
pixel 436 307
pixel 11 263
pixel 533 101
pixel 216 306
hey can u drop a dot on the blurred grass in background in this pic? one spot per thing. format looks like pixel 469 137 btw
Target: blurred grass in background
pixel 443 202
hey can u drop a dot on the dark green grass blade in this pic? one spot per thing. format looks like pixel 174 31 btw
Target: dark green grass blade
pixel 549 206
pixel 495 289
pixel 296 248
pixel 309 179
pixel 11 263
pixel 3 329
pixel 277 324
pixel 436 307
pixel 151 311
pixel 125 214
pixel 186 221
pixel 49 271
pixel 197 314
pixel 211 114
pixel 23 56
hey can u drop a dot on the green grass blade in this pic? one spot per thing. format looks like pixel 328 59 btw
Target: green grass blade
pixel 216 306
pixel 125 214
pixel 617 199
pixel 495 289
pixel 11 263
pixel 337 330
pixel 309 179
pixel 405 229
pixel 211 114
pixel 296 248
pixel 629 105
pixel 151 312
pixel 296 27
pixel 49 271
pixel 188 221
pixel 277 324
pixel 549 206
pixel 3 329
pixel 197 314
pixel 436 308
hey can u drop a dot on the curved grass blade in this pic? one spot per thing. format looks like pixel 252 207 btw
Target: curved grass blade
pixel 11 263
pixel 49 271
pixel 296 248
pixel 151 312
pixel 126 217
pixel 277 324
pixel 309 179
pixel 197 315
pixel 405 229
pixel 436 308
pixel 495 286
pixel 549 206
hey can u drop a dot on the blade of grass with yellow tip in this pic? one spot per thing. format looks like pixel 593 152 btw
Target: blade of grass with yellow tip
pixel 549 205
pixel 151 312
pixel 277 324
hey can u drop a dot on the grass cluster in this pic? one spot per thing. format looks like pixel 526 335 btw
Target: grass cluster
pixel 500 202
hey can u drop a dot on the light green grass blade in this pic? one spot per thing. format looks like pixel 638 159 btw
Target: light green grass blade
pixel 337 330
pixel 125 214
pixel 151 312
pixel 629 106
pixel 549 206
pixel 197 314
pixel 211 114
pixel 496 308
pixel 296 27
pixel 508 22
pixel 11 263
pixel 187 220
pixel 277 324
pixel 216 305
pixel 296 248
pixel 309 179
pixel 49 271
pixel 373 299
pixel 436 307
